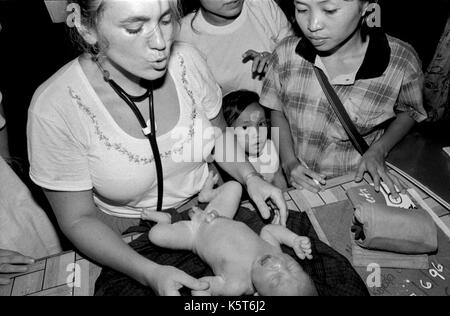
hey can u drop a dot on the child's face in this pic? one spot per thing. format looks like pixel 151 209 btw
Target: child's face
pixel 222 10
pixel 327 24
pixel 278 275
pixel 251 129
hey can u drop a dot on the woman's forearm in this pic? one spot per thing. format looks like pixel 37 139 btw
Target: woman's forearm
pixel 398 129
pixel 100 243
pixel 281 135
pixel 231 157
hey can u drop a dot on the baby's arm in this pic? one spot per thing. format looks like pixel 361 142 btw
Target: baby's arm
pixel 277 235
pixel 178 236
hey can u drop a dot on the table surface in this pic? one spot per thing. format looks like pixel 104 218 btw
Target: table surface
pixel 421 156
pixel 69 274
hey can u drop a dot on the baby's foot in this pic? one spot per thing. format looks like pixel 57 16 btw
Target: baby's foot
pixel 157 217
pixel 208 193
pixel 302 247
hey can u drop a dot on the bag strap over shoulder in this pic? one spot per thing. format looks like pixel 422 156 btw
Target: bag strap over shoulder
pixel 355 137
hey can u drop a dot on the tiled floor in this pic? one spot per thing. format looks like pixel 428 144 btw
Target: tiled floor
pixel 69 274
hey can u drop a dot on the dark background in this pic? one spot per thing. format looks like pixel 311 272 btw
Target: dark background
pixel 32 48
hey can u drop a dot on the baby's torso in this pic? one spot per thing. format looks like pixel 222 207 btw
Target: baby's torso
pixel 230 249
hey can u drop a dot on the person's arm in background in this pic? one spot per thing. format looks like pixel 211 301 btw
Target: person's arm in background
pixel 259 190
pixel 4 148
pixel 12 262
pixel 270 13
pixel 409 109
pixel 374 160
pixel 297 174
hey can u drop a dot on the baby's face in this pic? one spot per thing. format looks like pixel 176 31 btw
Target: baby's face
pixel 278 275
pixel 251 129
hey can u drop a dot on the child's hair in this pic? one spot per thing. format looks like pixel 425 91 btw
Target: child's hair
pixel 236 102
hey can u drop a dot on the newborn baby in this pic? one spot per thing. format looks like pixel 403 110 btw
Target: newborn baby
pixel 243 262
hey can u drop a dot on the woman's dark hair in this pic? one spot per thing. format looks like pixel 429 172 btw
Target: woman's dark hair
pixel 236 102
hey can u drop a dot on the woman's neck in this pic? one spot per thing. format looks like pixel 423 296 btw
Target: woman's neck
pixel 217 20
pixel 133 85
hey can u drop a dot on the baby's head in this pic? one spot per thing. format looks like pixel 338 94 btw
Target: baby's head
pixel 243 112
pixel 281 275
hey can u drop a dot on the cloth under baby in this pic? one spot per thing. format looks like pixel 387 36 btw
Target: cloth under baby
pixel 243 262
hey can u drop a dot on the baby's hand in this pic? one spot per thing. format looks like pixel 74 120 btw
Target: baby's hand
pixel 302 247
pixel 207 194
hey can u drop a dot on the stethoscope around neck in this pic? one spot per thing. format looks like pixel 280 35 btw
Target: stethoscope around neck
pixel 148 128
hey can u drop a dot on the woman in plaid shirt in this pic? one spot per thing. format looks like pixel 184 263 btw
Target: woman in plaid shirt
pixel 378 79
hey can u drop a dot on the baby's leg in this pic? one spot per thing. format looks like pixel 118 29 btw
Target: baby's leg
pixel 208 193
pixel 178 236
pixel 227 200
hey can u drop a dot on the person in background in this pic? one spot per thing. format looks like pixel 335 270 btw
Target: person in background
pixel 25 230
pixel 378 78
pixel 4 148
pixel 243 112
pixel 236 38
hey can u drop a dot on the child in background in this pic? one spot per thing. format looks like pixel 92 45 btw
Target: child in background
pixel 243 112
pixel 236 38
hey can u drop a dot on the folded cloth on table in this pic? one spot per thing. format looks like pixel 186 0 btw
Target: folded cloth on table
pixel 396 230
pixel 332 273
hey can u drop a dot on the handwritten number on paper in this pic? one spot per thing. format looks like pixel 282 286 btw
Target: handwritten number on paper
pixel 426 286
pixel 436 271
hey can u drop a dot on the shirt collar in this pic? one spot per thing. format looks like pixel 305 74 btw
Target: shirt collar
pixel 375 62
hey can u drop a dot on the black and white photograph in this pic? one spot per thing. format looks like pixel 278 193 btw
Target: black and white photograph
pixel 226 152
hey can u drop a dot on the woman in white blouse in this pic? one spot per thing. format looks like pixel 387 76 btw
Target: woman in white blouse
pixel 88 151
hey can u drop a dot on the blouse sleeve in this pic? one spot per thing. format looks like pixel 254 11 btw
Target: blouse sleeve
pixel 208 92
pixel 58 160
pixel 411 92
pixel 271 90
pixel 282 25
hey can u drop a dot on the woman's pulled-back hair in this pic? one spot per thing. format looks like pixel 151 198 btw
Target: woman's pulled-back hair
pixel 90 15
pixel 236 102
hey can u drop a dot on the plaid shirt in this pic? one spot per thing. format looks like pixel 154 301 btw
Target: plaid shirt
pixel 389 81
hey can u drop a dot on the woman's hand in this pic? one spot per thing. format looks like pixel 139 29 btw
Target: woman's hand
pixel 373 162
pixel 260 62
pixel 13 262
pixel 260 192
pixel 167 281
pixel 302 177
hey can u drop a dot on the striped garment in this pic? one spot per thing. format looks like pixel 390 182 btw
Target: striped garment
pixel 389 81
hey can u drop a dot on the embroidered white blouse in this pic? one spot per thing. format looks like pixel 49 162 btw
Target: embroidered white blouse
pixel 75 145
